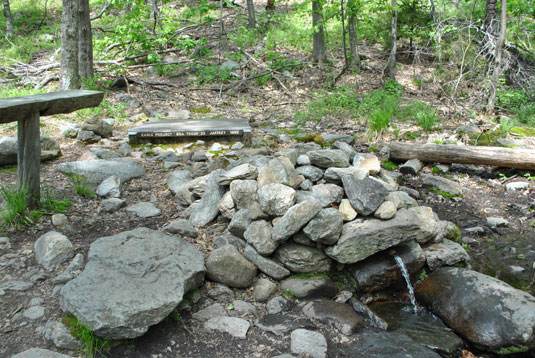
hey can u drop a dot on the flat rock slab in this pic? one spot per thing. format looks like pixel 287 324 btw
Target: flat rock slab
pixel 339 315
pixel 236 327
pixel 310 343
pixel 144 210
pixel 380 344
pixel 310 287
pixel 190 129
pixel 96 171
pixel 39 353
pixel 132 280
pixel 282 324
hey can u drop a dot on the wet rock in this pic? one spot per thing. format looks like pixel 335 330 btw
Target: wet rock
pixel 228 266
pixel 303 259
pixel 445 253
pixel 282 324
pixel 263 289
pixel 328 158
pixel 327 194
pixel 336 314
pixel 276 199
pixel 181 227
pixel 266 265
pixel 347 211
pixel 372 316
pixel 482 309
pixel 381 344
pixel 325 227
pixel 52 249
pixel 411 167
pixel 365 195
pixel 236 327
pixel 60 335
pixel 110 187
pixel 279 170
pixel 111 205
pixel 277 305
pixel 387 210
pixel 360 240
pixel 294 219
pixel 132 280
pixel 95 171
pixel 310 343
pixel 215 310
pixel 206 211
pixel 258 234
pixel 367 161
pixel 310 287
pixel 380 271
pixel 310 172
pixel 442 184
pixel 39 353
pixel 245 171
pixel 144 210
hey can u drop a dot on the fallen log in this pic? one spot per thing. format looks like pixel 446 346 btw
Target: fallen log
pixel 501 157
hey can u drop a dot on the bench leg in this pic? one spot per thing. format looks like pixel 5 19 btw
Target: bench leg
pixel 29 158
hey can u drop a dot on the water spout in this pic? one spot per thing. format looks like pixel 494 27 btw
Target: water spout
pixel 405 273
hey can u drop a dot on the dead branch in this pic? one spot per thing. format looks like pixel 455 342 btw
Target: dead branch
pixel 102 11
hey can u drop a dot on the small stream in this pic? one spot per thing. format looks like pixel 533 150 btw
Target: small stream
pixel 405 273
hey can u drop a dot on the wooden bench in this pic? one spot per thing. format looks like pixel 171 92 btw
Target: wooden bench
pixel 26 111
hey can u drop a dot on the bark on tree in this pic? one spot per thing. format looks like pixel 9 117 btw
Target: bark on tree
pixel 70 79
pixel 354 63
pixel 393 48
pixel 498 57
pixel 85 41
pixel 318 49
pixel 251 14
pixel 490 23
pixel 10 31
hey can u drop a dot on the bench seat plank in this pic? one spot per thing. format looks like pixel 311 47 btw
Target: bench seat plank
pixel 21 108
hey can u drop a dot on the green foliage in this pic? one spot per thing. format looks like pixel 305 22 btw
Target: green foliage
pixel 104 110
pixel 342 101
pixel 518 102
pixel 424 115
pixel 288 293
pixel 422 274
pixel 513 350
pixel 91 345
pixel 212 74
pixel 175 316
pixel 16 211
pixel 49 204
pixel 81 187
pixel 379 120
pixel 443 193
pixel 244 37
pixel 389 165
pixel 10 90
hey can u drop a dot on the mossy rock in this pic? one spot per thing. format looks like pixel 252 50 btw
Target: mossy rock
pixel 522 132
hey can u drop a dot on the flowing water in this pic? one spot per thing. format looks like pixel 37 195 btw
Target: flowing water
pixel 405 273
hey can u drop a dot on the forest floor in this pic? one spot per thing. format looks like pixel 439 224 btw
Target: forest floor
pixel 270 109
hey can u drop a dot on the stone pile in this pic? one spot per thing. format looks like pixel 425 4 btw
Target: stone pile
pixel 308 209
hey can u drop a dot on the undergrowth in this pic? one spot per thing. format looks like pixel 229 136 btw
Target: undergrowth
pixel 81 187
pixel 91 346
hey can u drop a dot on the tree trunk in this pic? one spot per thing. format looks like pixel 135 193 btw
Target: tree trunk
pixel 500 157
pixel 10 31
pixel 393 48
pixel 85 41
pixel 490 23
pixel 318 49
pixel 498 57
pixel 70 79
pixel 354 64
pixel 250 14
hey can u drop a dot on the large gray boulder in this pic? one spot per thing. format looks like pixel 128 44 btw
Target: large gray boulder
pixel 207 209
pixel 266 265
pixel 365 195
pixel 258 234
pixel 360 240
pixel 310 172
pixel 327 194
pixel 132 281
pixel 52 249
pixel 243 171
pixel 228 266
pixel 325 227
pixel 98 126
pixel 294 219
pixel 276 199
pixel 339 315
pixel 443 184
pixel 243 193
pixel 445 253
pixel 480 308
pixel 9 150
pixel 95 171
